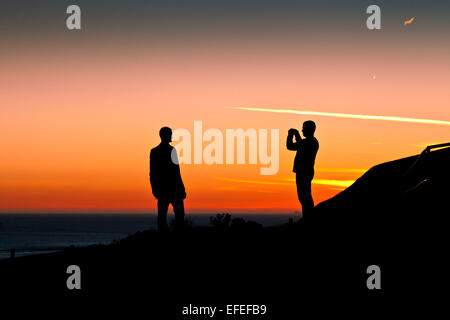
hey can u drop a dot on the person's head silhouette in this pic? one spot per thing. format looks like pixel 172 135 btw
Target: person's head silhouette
pixel 309 127
pixel 165 134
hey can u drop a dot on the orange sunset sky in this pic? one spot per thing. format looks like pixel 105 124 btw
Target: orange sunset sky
pixel 80 110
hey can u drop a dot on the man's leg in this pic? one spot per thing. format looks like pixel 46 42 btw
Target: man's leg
pixel 178 209
pixel 163 206
pixel 304 194
pixel 308 200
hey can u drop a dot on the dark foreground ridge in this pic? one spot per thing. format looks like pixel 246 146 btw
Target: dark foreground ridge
pixel 393 216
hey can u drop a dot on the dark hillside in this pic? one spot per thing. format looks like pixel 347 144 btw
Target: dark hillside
pixel 392 217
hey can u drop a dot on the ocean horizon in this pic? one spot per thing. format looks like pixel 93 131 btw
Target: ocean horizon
pixel 32 233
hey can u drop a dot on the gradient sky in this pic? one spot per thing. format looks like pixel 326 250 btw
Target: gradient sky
pixel 80 110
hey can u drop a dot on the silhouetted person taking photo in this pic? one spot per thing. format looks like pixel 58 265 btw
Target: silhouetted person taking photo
pixel 304 162
pixel 166 182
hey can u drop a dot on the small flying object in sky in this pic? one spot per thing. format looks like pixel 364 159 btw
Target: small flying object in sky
pixel 409 21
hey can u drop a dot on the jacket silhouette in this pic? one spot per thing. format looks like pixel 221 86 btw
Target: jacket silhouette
pixel 304 162
pixel 165 180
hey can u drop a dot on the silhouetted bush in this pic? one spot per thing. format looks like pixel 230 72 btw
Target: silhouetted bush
pixel 221 221
pixel 242 225
pixel 238 223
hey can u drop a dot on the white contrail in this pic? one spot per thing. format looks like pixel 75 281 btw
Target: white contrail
pixel 348 115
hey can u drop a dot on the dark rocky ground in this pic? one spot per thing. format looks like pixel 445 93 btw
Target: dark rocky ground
pixel 393 217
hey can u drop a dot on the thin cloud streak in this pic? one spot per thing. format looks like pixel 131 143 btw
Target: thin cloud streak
pixel 330 182
pixel 254 181
pixel 326 182
pixel 341 170
pixel 348 115
pixel 336 183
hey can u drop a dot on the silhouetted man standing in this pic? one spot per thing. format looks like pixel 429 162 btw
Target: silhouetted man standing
pixel 304 162
pixel 166 182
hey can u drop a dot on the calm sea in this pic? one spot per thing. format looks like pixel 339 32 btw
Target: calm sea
pixel 39 233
